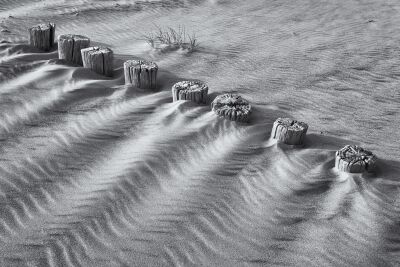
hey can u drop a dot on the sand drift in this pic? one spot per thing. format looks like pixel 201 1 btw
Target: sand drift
pixel 177 159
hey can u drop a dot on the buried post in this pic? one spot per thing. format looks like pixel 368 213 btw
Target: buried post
pixel 98 59
pixel 142 74
pixel 232 107
pixel 288 131
pixel 190 90
pixel 355 159
pixel 69 47
pixel 42 36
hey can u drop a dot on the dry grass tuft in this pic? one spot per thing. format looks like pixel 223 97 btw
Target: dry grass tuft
pixel 169 38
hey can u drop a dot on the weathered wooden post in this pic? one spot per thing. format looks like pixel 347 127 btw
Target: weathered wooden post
pixel 195 91
pixel 232 107
pixel 69 47
pixel 288 131
pixel 355 159
pixel 98 59
pixel 42 36
pixel 142 74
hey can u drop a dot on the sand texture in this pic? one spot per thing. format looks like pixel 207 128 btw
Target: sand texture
pixel 97 173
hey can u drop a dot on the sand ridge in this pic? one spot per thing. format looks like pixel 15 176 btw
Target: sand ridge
pixel 96 174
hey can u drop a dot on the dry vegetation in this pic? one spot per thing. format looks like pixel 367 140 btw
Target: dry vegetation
pixel 170 38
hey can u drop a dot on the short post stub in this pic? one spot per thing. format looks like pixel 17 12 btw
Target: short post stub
pixel 42 36
pixel 288 131
pixel 98 59
pixel 69 47
pixel 195 91
pixel 355 159
pixel 141 74
pixel 232 107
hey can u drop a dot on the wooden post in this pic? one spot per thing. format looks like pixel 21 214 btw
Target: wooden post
pixel 355 159
pixel 232 107
pixel 142 74
pixel 42 36
pixel 69 47
pixel 289 131
pixel 190 90
pixel 98 59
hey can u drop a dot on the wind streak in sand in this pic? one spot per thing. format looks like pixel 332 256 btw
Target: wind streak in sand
pixel 310 214
pixel 48 83
pixel 93 175
pixel 52 167
pixel 144 144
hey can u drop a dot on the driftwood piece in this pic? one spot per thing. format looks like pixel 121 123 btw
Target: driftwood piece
pixel 42 36
pixel 70 45
pixel 190 90
pixel 288 131
pixel 142 74
pixel 232 107
pixel 98 59
pixel 355 159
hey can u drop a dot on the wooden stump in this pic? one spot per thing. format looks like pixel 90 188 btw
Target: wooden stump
pixel 142 74
pixel 232 107
pixel 70 45
pixel 355 159
pixel 289 131
pixel 98 59
pixel 190 90
pixel 42 36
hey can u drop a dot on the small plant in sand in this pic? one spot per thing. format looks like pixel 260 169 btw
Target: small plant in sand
pixel 172 39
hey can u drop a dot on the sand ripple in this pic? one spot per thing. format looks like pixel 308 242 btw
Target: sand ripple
pixel 96 174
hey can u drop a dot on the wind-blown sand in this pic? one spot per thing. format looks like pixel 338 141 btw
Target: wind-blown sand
pixel 96 174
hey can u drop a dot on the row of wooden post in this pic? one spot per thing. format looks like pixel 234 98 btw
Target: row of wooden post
pixel 142 74
pixel 76 49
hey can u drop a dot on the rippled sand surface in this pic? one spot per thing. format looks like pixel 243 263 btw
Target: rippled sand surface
pixel 96 174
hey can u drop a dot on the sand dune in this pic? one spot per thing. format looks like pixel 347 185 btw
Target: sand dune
pixel 94 173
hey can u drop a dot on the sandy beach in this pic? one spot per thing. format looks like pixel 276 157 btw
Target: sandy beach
pixel 97 173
